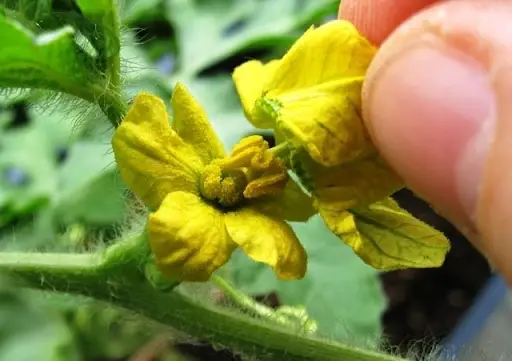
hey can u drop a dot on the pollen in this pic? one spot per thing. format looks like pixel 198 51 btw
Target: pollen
pixel 225 188
pixel 251 171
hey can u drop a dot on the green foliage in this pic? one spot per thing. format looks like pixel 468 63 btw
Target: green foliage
pixel 95 20
pixel 104 33
pixel 35 14
pixel 90 189
pixel 48 60
pixel 339 291
pixel 43 166
pixel 222 29
pixel 106 333
pixel 32 332
pixel 28 176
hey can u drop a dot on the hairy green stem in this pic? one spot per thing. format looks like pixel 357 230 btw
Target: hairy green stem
pixel 116 276
pixel 113 106
pixel 111 103
pixel 242 299
pixel 114 62
pixel 289 317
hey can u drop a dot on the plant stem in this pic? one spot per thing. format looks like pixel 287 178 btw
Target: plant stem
pixel 281 150
pixel 113 106
pixel 111 103
pixel 295 320
pixel 121 284
pixel 242 299
pixel 114 62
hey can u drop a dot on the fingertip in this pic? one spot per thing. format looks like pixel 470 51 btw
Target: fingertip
pixel 376 19
pixel 436 101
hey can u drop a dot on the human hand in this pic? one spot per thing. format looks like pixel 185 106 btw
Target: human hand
pixel 438 104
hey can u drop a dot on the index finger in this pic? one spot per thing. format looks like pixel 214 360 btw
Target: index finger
pixel 376 19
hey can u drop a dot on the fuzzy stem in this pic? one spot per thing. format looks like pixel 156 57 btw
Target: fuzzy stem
pixel 113 106
pixel 114 62
pixel 116 277
pixel 242 299
pixel 111 103
pixel 289 321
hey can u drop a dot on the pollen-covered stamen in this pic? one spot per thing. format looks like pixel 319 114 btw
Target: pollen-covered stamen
pixel 269 182
pixel 251 171
pixel 223 187
pixel 266 186
pixel 248 153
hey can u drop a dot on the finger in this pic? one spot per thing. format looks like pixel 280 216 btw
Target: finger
pixel 437 103
pixel 376 19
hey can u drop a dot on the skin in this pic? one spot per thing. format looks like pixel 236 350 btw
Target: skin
pixel 438 104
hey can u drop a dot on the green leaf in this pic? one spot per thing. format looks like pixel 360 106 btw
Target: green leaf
pixel 95 21
pixel 82 187
pixel 222 28
pixel 27 171
pixel 95 7
pixel 28 12
pixel 12 96
pixel 388 237
pixel 90 191
pixel 6 117
pixel 30 332
pixel 105 333
pixel 339 291
pixel 49 60
pixel 105 35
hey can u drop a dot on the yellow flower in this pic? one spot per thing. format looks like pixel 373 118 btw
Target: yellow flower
pixel 312 99
pixel 204 203
pixel 312 95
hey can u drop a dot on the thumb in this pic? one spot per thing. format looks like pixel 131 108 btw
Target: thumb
pixel 438 103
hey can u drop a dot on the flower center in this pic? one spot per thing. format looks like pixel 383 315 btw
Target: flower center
pixel 225 188
pixel 251 171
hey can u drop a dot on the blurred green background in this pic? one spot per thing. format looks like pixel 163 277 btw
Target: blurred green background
pixel 59 190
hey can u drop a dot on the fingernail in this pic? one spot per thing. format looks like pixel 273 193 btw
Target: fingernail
pixel 431 111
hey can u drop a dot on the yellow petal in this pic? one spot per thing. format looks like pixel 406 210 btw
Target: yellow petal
pixel 268 240
pixel 249 79
pixel 191 123
pixel 328 53
pixel 292 204
pixel 387 237
pixel 188 238
pixel 314 94
pixel 326 121
pixel 152 159
pixel 346 186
